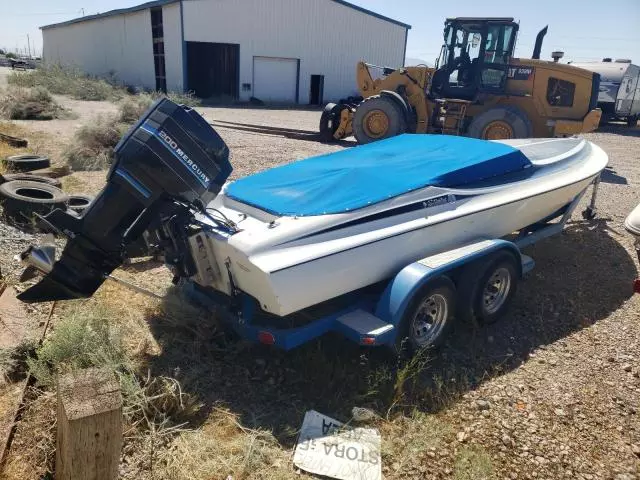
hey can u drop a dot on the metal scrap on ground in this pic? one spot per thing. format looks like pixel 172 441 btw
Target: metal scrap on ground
pixel 327 447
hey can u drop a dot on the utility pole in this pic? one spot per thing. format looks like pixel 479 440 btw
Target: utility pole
pixel 29 46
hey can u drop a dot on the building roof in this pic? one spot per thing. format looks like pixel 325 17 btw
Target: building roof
pixel 111 13
pixel 159 3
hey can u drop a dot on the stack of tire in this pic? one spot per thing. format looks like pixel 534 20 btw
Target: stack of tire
pixel 23 194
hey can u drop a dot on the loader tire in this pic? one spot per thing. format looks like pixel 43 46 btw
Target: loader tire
pixel 21 199
pixel 378 117
pixel 26 162
pixel 500 123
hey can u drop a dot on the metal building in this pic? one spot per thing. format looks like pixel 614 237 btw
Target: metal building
pixel 290 51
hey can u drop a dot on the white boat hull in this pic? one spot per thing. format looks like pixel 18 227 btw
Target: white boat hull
pixel 289 263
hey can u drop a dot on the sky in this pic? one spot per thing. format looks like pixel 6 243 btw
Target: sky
pixel 584 30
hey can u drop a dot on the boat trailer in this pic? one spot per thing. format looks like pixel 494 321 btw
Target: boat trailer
pixel 375 318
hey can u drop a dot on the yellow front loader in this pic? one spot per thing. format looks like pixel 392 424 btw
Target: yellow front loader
pixel 476 89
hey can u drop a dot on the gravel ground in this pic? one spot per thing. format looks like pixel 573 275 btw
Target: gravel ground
pixel 552 391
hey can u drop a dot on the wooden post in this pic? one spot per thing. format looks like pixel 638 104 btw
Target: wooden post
pixel 89 426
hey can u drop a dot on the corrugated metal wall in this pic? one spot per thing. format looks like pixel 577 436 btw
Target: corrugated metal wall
pixel 120 44
pixel 327 37
pixel 173 46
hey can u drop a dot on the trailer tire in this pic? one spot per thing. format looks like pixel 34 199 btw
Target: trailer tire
pixel 487 288
pixel 378 117
pixel 21 199
pixel 431 328
pixel 632 121
pixel 500 123
pixel 26 162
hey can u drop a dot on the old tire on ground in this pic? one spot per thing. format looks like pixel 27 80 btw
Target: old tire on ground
pixel 330 121
pixel 26 162
pixel 378 117
pixel 10 177
pixel 21 199
pixel 79 203
pixel 487 287
pixel 500 123
pixel 428 318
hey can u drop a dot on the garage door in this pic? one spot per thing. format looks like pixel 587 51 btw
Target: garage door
pixel 275 79
pixel 213 69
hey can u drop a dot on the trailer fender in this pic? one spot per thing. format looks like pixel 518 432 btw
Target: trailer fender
pixel 400 100
pixel 401 289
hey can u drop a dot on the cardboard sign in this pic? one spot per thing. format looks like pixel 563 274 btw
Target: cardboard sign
pixel 327 448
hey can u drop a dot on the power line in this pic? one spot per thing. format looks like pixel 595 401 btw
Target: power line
pixel 37 14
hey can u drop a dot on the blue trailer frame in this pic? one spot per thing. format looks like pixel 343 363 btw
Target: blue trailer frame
pixel 373 320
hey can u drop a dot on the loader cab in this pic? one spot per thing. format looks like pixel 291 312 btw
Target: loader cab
pixel 474 57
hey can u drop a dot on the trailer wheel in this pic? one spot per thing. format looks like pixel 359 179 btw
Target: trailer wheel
pixel 632 121
pixel 487 287
pixel 429 317
pixel 378 117
pixel 500 123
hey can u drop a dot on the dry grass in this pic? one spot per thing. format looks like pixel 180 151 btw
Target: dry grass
pixel 14 130
pixel 473 463
pixel 92 148
pixel 7 150
pixel 40 143
pixel 19 103
pixel 219 449
pixel 408 441
pixel 67 81
pixel 133 106
pixel 33 448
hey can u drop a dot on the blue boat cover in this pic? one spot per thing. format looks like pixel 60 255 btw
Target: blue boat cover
pixel 358 177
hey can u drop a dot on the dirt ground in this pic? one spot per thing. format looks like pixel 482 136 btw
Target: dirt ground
pixel 551 391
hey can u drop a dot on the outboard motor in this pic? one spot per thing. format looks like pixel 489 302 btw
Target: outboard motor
pixel 168 166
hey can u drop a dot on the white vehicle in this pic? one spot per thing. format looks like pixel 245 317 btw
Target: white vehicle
pixel 619 96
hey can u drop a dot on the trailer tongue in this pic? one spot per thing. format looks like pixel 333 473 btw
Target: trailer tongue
pixel 169 165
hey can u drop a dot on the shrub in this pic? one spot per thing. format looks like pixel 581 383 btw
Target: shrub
pixel 90 337
pixel 132 107
pixel 30 104
pixel 187 98
pixel 81 340
pixel 92 148
pixel 66 81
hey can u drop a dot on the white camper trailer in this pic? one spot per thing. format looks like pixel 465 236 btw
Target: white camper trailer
pixel 619 97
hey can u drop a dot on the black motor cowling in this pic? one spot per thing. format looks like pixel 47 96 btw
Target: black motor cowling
pixel 169 163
